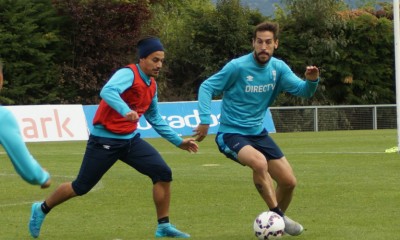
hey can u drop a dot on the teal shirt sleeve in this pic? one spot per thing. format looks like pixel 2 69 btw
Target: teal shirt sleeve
pixel 24 163
pixel 211 87
pixel 292 84
pixel 153 116
pixel 112 90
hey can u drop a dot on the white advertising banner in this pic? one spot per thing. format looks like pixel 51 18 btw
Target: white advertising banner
pixel 182 117
pixel 41 123
pixel 45 123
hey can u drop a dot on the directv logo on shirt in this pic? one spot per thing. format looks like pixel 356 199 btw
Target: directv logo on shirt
pixel 259 88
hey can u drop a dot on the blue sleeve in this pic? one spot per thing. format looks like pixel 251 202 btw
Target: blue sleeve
pixel 112 90
pixel 213 86
pixel 153 116
pixel 295 85
pixel 11 139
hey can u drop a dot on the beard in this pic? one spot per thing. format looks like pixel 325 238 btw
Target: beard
pixel 262 57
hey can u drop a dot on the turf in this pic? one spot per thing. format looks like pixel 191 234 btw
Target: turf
pixel 348 188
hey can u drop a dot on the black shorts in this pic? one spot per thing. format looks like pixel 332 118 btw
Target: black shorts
pixel 230 144
pixel 101 154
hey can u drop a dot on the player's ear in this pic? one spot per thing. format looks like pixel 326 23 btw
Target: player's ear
pixel 276 43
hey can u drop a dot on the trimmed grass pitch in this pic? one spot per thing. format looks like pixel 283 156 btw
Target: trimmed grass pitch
pixel 348 188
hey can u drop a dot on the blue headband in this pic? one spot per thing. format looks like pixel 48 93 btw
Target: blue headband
pixel 149 45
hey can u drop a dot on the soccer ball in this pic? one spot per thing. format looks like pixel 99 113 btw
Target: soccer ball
pixel 268 225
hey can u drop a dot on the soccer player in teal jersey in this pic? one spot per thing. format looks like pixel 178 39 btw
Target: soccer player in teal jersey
pixel 129 94
pixel 249 85
pixel 11 140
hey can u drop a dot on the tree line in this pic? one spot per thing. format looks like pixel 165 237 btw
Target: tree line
pixel 63 51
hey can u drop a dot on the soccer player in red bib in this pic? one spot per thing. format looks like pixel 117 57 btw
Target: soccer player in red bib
pixel 130 93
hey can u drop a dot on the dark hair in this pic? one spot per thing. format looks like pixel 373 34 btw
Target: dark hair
pixel 267 26
pixel 1 66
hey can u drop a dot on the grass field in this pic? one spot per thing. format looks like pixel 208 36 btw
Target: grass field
pixel 348 188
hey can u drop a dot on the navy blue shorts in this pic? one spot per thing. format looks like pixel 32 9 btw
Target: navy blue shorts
pixel 230 144
pixel 101 154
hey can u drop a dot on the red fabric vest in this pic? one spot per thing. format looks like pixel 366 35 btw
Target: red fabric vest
pixel 138 97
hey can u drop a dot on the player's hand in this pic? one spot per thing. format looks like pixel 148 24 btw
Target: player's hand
pixel 312 73
pixel 200 132
pixel 189 145
pixel 132 116
pixel 46 184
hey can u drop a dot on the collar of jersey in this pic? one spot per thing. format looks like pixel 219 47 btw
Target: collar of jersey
pixel 143 75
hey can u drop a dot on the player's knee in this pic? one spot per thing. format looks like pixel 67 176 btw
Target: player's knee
pixel 289 183
pixel 163 174
pixel 80 188
pixel 259 165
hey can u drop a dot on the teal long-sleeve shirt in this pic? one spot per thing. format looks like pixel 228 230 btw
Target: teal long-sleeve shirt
pixel 11 140
pixel 248 89
pixel 111 93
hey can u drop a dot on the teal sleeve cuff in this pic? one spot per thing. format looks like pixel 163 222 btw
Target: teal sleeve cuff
pixel 205 119
pixel 177 142
pixel 313 81
pixel 46 177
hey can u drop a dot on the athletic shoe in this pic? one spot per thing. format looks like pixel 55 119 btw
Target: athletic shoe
pixel 169 230
pixel 291 227
pixel 37 217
